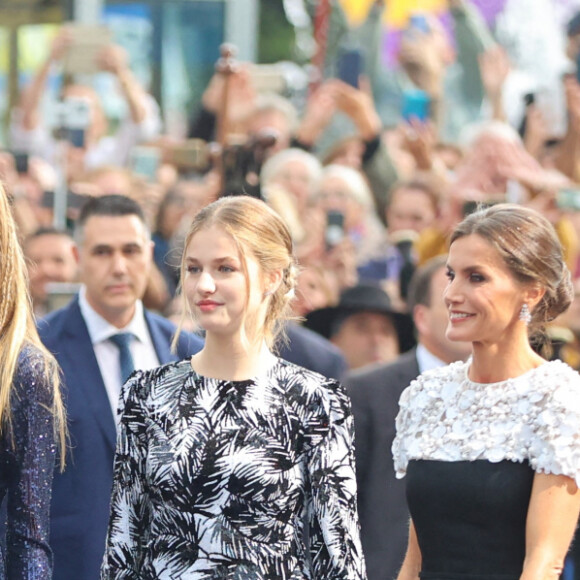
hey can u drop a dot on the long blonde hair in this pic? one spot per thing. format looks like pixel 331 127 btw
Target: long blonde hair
pixel 17 328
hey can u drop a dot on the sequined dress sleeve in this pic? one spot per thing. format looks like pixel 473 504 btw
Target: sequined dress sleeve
pixel 26 470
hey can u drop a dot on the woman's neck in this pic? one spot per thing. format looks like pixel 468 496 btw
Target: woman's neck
pixel 229 361
pixel 499 362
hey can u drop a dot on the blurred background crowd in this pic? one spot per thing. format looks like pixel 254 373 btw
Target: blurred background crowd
pixel 372 144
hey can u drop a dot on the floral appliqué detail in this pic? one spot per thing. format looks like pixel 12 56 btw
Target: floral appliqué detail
pixel 536 417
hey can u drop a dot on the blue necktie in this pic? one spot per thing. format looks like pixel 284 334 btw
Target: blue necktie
pixel 122 341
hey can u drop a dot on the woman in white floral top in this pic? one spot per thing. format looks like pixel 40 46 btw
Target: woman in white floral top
pixel 491 447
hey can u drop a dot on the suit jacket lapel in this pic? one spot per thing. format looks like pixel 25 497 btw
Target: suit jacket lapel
pixel 83 366
pixel 161 341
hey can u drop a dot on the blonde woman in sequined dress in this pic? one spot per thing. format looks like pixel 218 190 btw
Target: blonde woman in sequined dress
pixel 31 419
pixel 491 447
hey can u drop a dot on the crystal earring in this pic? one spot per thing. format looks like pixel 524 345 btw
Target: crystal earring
pixel 525 314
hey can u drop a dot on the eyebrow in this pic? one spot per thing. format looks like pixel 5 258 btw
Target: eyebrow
pixel 128 245
pixel 191 259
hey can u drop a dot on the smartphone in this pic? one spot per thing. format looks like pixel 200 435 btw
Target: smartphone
pixel 145 161
pixel 350 67
pixel 192 154
pixel 568 199
pixel 416 105
pixel 20 161
pixel 268 78
pixel 334 233
pixel 87 42
pixel 419 22
pixel 74 117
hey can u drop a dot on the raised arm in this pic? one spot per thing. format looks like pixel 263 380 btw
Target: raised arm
pixel 113 59
pixel 552 518
pixel 29 102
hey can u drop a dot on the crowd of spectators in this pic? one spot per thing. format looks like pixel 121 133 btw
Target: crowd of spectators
pixel 366 207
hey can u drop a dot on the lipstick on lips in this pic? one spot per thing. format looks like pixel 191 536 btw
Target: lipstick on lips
pixel 208 305
pixel 459 316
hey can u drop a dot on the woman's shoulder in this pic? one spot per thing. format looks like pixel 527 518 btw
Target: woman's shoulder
pixel 32 374
pixel 308 386
pixel 143 382
pixel 434 381
pixel 553 436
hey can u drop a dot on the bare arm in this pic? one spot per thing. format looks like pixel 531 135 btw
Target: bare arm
pixel 552 517
pixel 113 59
pixel 412 562
pixel 32 94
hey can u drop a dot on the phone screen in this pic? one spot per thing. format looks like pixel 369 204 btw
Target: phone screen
pixel 350 67
pixel 568 199
pixel 416 105
pixel 20 161
pixel 145 162
pixel 419 22
pixel 334 233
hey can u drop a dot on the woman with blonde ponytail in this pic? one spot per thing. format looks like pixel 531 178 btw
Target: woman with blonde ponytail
pixel 32 421
pixel 222 458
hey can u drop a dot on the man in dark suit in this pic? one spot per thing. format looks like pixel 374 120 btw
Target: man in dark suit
pixel 310 350
pixel 375 393
pixel 98 339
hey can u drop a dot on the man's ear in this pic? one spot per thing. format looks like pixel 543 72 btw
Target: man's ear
pixel 420 313
pixel 76 253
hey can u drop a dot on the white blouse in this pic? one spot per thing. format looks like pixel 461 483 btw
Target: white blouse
pixel 535 417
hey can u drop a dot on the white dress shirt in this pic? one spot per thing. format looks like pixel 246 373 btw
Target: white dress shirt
pixel 427 360
pixel 107 353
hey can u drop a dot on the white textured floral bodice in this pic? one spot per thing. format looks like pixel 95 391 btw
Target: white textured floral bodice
pixel 536 417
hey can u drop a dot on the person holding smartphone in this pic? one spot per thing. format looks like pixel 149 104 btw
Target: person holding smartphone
pixel 30 132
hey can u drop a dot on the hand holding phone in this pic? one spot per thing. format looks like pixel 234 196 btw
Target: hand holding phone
pixel 334 233
pixel 416 105
pixel 350 67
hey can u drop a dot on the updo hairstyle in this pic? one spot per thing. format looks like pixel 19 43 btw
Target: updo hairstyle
pixel 257 229
pixel 530 248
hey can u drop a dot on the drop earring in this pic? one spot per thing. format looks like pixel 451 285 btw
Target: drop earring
pixel 525 314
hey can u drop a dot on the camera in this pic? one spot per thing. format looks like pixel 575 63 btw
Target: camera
pixel 73 119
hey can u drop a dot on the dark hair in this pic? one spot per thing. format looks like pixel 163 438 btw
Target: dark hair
pixel 46 231
pixel 573 27
pixel 107 205
pixel 420 285
pixel 530 248
pixel 419 185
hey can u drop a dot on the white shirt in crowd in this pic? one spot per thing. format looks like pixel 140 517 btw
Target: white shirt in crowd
pixel 107 353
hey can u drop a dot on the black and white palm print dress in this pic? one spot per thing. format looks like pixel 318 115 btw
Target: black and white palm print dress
pixel 214 479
